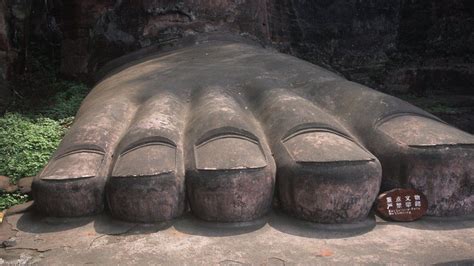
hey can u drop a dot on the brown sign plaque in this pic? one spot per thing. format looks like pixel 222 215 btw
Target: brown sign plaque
pixel 402 205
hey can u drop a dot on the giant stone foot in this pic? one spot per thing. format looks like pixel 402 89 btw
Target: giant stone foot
pixel 221 126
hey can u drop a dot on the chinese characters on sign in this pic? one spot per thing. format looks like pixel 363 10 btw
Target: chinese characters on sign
pixel 402 205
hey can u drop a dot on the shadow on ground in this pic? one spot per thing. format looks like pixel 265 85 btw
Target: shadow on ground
pixel 467 262
pixel 274 240
pixel 104 224
pixel 33 223
pixel 296 227
pixel 438 223
pixel 193 226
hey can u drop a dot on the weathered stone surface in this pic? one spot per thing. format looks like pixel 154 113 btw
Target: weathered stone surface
pixel 229 123
pixel 24 184
pixel 280 241
pixel 96 32
pixel 395 46
pixel 6 186
pixel 4 64
pixel 20 208
pixel 4 182
pixel 402 46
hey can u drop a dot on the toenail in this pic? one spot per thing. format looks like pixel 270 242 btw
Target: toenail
pixel 418 131
pixel 74 165
pixel 322 146
pixel 146 160
pixel 229 151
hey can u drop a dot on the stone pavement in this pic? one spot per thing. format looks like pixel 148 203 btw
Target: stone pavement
pixel 275 240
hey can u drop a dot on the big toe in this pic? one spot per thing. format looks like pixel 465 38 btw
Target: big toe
pixel 430 156
pixel 72 183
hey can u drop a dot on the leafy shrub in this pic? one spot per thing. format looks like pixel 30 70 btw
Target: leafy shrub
pixel 9 199
pixel 66 102
pixel 60 105
pixel 41 110
pixel 26 144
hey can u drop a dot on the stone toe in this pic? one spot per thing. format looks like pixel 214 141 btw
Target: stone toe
pixel 327 178
pixel 431 156
pixel 145 185
pixel 323 174
pixel 229 167
pixel 232 181
pixel 71 185
pixel 147 180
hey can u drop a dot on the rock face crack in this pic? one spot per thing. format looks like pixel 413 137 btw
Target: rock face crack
pixel 32 249
pixel 172 14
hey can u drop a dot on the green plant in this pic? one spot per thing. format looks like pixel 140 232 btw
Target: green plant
pixel 66 102
pixel 40 90
pixel 26 144
pixel 61 105
pixel 434 104
pixel 42 109
pixel 9 199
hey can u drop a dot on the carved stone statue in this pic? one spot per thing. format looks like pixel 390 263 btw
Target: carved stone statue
pixel 226 127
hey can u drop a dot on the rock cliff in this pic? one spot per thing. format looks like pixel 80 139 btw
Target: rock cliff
pixel 394 46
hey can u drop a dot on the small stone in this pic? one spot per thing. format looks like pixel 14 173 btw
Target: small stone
pixel 4 182
pixel 325 253
pixel 6 186
pixel 11 242
pixel 24 184
pixel 21 208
